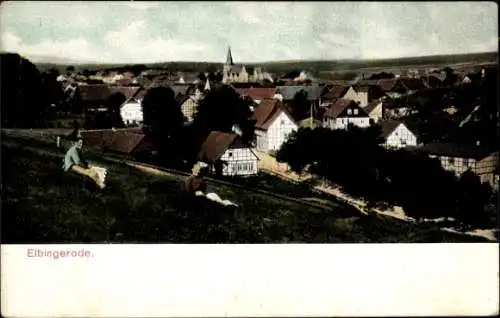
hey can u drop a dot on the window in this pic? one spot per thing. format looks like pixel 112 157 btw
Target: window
pixel 282 121
pixel 451 161
pixel 230 154
pixel 349 111
pixel 355 111
pixel 403 141
pixel 244 166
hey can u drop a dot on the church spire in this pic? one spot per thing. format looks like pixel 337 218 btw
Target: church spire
pixel 229 58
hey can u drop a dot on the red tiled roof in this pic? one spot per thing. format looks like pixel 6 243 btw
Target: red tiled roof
pixel 125 142
pixel 266 112
pixel 105 138
pixel 337 107
pixel 261 93
pixel 216 145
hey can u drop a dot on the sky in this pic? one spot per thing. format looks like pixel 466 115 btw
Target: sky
pixel 145 32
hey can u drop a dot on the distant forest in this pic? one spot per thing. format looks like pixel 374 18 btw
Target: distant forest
pixel 314 67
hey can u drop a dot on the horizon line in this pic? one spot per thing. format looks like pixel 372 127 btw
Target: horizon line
pixel 90 62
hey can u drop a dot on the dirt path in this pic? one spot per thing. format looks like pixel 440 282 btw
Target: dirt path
pixel 270 165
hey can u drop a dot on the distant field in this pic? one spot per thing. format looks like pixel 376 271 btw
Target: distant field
pixel 311 66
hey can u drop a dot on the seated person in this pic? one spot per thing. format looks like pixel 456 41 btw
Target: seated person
pixel 195 182
pixel 73 161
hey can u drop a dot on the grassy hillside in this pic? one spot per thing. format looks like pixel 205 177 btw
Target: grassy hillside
pixel 40 204
pixel 311 66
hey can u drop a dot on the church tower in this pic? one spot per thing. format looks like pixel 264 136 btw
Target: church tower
pixel 229 58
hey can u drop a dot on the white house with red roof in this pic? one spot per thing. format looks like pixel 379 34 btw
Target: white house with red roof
pixel 273 125
pixel 344 112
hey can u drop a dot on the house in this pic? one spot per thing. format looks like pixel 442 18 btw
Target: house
pixel 94 97
pixel 131 109
pixel 394 109
pixel 364 94
pixel 375 110
pixel 413 84
pixel 257 94
pixel 273 125
pixel 432 81
pixel 460 158
pixel 393 87
pixel 189 105
pixel 397 135
pixel 334 92
pixel 227 151
pixel 344 112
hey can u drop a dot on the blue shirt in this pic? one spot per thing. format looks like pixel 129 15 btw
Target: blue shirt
pixel 71 158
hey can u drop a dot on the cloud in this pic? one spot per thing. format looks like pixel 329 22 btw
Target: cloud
pixel 78 48
pixel 142 5
pixel 257 31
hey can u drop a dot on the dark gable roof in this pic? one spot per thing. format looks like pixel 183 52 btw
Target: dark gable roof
pixel 336 91
pixel 337 107
pixel 288 92
pixel 99 93
pixel 390 84
pixel 454 150
pixel 413 83
pixel 216 145
pixel 181 88
pixel 374 91
pixel 267 111
pixel 389 126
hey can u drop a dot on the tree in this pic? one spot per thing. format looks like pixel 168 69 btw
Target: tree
pixel 301 106
pixel 202 77
pixel 472 199
pixel 70 69
pixel 381 75
pixel 87 73
pixel 223 108
pixel 23 98
pixel 53 91
pixel 292 74
pixel 163 121
pixel 112 104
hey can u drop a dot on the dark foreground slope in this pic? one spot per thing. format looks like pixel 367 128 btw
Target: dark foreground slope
pixel 40 204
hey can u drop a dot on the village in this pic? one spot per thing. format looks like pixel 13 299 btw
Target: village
pixel 244 122
pixel 334 105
